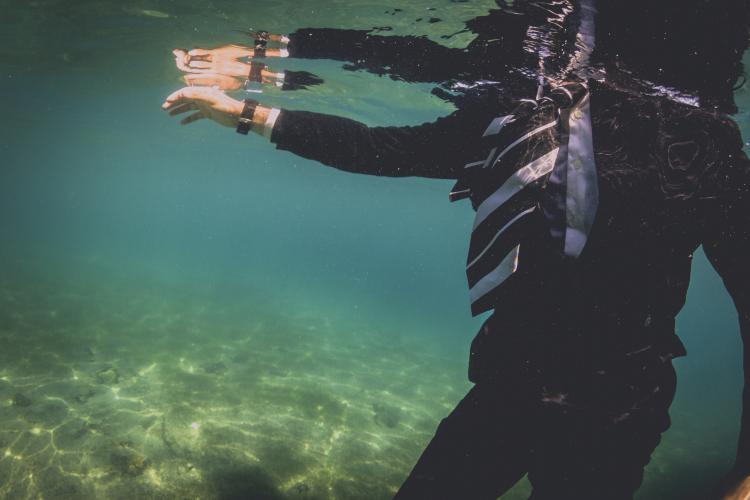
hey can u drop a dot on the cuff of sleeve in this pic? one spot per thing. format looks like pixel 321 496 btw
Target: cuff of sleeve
pixel 280 79
pixel 292 47
pixel 268 127
pixel 280 128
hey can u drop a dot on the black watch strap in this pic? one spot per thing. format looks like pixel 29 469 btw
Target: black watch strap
pixel 256 72
pixel 246 117
pixel 261 42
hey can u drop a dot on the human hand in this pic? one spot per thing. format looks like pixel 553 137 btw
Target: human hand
pixel 223 60
pixel 208 102
pixel 741 492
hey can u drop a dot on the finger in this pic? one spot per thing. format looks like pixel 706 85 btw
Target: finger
pixel 199 64
pixel 172 100
pixel 182 108
pixel 199 58
pixel 181 66
pixel 178 97
pixel 190 119
pixel 181 60
pixel 202 53
pixel 188 69
pixel 179 52
pixel 199 52
pixel 182 94
pixel 201 94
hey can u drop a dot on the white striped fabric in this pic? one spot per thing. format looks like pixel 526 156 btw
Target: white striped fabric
pixel 519 180
pixel 569 203
pixel 507 266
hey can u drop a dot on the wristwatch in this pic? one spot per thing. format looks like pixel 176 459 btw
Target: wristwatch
pixel 256 72
pixel 246 117
pixel 261 42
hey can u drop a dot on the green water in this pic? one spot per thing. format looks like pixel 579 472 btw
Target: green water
pixel 188 313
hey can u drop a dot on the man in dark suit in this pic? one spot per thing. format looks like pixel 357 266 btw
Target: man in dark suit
pixel 592 138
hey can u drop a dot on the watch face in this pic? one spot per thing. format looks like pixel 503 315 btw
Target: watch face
pixel 243 127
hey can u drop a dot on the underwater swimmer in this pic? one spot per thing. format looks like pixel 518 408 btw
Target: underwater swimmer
pixel 573 370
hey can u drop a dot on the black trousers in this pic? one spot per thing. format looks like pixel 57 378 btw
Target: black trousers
pixel 591 443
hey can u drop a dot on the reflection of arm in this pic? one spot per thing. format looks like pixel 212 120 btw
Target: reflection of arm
pixel 727 245
pixel 435 149
pixel 410 58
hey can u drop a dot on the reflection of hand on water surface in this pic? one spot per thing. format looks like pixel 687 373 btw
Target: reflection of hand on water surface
pixel 217 60
pixel 222 68
pixel 224 60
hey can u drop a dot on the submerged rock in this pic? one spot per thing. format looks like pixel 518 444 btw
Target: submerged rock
pixel 300 488
pixel 277 372
pixel 241 481
pixel 108 376
pixel 128 464
pixel 217 368
pixel 84 397
pixel 21 400
pixel 386 415
pixel 47 413
pixel 241 357
pixel 4 388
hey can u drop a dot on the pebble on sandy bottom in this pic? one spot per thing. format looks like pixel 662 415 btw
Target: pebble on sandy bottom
pixel 21 400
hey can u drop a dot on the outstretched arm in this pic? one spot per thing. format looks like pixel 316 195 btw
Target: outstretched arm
pixel 411 58
pixel 224 68
pixel 434 149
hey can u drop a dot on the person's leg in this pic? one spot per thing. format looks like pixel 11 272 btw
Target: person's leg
pixel 478 452
pixel 596 447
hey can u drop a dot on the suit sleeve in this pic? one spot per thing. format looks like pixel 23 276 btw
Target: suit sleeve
pixel 727 245
pixel 436 150
pixel 411 58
